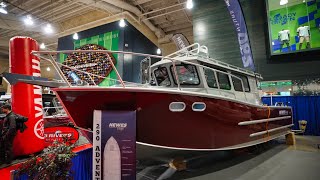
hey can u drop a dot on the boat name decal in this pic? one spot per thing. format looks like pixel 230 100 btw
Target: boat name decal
pixel 283 112
pixel 119 126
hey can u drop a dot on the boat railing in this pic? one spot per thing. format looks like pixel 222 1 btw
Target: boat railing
pixel 202 52
pixel 59 111
pixel 193 50
pixel 196 50
pixel 57 66
pixel 223 64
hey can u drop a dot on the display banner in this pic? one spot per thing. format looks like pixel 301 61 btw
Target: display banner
pixel 114 145
pixel 241 29
pixel 180 40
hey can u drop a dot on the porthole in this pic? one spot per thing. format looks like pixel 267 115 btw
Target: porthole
pixel 198 106
pixel 177 106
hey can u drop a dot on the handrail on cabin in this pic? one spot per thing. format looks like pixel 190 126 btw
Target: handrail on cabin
pixel 194 52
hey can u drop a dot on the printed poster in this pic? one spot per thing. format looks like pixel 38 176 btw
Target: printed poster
pixel 114 145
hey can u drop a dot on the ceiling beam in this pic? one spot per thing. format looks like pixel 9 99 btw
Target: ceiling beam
pixel 101 5
pixel 173 23
pixel 138 2
pixel 4 51
pixel 12 22
pixel 178 27
pixel 4 42
pixel 168 18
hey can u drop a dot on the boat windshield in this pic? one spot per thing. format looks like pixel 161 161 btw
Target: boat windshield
pixel 162 76
pixel 52 106
pixel 187 74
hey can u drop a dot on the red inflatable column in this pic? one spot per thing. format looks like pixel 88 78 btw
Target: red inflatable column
pixel 27 99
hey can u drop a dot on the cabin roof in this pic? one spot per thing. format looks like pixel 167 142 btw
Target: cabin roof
pixel 230 67
pixel 219 64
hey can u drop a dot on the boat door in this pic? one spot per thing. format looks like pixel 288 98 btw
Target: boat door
pixel 241 86
pixel 218 83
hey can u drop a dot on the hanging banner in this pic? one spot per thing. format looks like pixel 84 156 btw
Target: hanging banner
pixel 235 11
pixel 114 145
pixel 180 41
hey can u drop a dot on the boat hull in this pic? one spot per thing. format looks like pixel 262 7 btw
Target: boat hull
pixel 215 128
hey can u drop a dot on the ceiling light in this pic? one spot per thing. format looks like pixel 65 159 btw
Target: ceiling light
pixel 283 2
pixel 42 46
pixel 75 36
pixel 122 23
pixel 158 51
pixel 2 8
pixel 48 29
pixel 189 4
pixel 28 20
pixel 48 69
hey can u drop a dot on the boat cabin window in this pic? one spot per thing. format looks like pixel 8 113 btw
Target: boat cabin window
pixel 223 79
pixel 162 76
pixel 224 82
pixel 187 74
pixel 237 83
pixel 211 78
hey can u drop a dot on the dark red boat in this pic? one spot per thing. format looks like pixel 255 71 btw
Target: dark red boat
pixel 223 124
pixel 192 103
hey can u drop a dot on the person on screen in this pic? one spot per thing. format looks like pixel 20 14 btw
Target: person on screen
pixel 284 38
pixel 304 35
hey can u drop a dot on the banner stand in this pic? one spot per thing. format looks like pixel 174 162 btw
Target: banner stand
pixel 114 145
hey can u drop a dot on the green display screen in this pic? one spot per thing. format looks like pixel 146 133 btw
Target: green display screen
pixel 294 25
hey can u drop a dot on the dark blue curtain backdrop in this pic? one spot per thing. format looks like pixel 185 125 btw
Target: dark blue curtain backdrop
pixel 81 166
pixel 304 108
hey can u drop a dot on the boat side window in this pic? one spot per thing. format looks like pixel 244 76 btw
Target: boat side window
pixel 224 82
pixel 162 76
pixel 237 83
pixel 187 74
pixel 210 77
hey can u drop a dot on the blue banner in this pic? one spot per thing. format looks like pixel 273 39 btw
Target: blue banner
pixel 241 29
pixel 114 145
